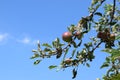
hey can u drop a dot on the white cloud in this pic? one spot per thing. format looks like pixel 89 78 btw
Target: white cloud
pixel 3 37
pixel 25 40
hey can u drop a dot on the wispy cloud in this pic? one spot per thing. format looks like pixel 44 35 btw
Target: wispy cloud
pixel 27 40
pixel 3 37
pixel 22 39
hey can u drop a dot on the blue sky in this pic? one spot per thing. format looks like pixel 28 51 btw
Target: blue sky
pixel 23 22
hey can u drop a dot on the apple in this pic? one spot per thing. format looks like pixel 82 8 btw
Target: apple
pixel 100 34
pixel 112 36
pixel 78 35
pixel 68 61
pixel 103 35
pixel 67 36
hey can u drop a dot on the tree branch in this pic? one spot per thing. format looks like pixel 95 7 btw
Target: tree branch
pixel 113 10
pixel 96 47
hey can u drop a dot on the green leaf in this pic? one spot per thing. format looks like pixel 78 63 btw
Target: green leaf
pixel 94 2
pixel 108 59
pixel 34 50
pixel 47 49
pixel 73 52
pixel 66 51
pixel 104 65
pixel 98 13
pixel 61 44
pixel 52 52
pixel 74 73
pixel 47 45
pixel 35 56
pixel 57 40
pixel 56 43
pixel 39 46
pixel 118 37
pixel 37 62
pixel 74 44
pixel 52 66
pixel 110 51
pixel 59 53
pixel 114 53
pixel 113 23
pixel 107 7
pixel 71 28
pixel 87 64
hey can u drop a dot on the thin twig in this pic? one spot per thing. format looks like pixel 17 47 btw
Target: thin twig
pixel 96 46
pixel 113 10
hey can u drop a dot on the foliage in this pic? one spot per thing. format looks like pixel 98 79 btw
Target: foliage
pixel 107 29
pixel 113 77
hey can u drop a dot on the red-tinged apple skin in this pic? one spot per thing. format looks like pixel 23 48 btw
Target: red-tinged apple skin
pixel 68 61
pixel 100 34
pixel 103 35
pixel 67 36
pixel 106 36
pixel 78 35
pixel 112 37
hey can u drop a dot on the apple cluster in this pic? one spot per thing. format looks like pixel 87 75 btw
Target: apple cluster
pixel 67 36
pixel 106 36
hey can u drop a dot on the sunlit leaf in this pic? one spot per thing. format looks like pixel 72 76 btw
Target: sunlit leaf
pixel 117 37
pixel 112 51
pixel 34 50
pixel 94 2
pixel 35 56
pixel 116 55
pixel 47 49
pixel 47 45
pixel 71 28
pixel 61 44
pixel 56 43
pixel 38 44
pixel 57 40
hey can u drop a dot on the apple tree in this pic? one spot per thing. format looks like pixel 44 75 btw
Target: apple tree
pixel 106 25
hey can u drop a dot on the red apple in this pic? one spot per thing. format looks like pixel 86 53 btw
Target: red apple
pixel 100 34
pixel 112 36
pixel 68 61
pixel 78 35
pixel 67 36
pixel 103 35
